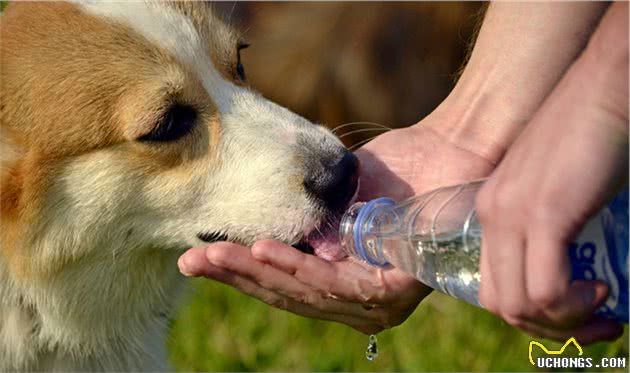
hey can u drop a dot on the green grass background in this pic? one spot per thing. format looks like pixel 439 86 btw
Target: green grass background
pixel 220 329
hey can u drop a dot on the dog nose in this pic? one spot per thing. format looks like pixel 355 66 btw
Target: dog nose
pixel 333 184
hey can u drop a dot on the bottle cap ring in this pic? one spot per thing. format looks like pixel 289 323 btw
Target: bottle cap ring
pixel 358 230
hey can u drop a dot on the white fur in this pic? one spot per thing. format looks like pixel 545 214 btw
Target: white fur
pixel 259 135
pixel 125 228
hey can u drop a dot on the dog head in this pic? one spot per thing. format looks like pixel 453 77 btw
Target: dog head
pixel 130 126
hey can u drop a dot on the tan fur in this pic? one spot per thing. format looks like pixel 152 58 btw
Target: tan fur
pixel 37 73
pixel 92 219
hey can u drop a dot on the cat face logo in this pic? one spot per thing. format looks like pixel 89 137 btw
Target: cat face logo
pixel 553 352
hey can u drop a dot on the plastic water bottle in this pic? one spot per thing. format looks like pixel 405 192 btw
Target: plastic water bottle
pixel 436 237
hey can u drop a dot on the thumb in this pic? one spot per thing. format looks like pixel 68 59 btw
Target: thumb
pixel 582 299
pixel 590 294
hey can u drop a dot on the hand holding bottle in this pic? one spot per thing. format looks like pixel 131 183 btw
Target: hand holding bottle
pixel 566 164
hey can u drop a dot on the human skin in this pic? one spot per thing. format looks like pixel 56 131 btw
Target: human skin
pixel 522 51
pixel 569 160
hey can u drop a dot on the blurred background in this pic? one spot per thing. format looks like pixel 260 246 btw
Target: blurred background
pixel 337 62
pixel 334 63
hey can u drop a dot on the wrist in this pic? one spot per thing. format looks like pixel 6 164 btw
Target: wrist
pixel 481 117
pixel 522 51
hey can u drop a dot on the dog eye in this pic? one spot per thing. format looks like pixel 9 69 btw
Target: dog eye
pixel 176 122
pixel 240 70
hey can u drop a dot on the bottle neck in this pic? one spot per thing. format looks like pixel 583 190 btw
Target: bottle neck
pixel 359 231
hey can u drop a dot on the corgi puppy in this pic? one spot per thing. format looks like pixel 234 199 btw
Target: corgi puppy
pixel 128 134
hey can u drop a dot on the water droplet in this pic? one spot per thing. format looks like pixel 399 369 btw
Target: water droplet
pixel 372 350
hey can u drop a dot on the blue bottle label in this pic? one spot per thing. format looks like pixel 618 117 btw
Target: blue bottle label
pixel 596 255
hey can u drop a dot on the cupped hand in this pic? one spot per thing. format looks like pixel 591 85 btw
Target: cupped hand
pixel 397 164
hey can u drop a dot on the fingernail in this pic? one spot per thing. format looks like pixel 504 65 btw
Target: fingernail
pixel 600 293
pixel 184 265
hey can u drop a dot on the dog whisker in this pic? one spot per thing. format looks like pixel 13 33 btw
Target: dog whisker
pixel 363 130
pixel 362 142
pixel 319 231
pixel 330 224
pixel 334 130
pixel 232 12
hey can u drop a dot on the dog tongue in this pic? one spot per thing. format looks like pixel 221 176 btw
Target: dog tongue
pixel 326 245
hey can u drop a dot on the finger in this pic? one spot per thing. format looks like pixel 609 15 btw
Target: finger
pixel 577 305
pixel 503 287
pixel 251 288
pixel 504 249
pixel 194 263
pixel 563 304
pixel 345 279
pixel 238 259
pixel 594 330
pixel 548 276
pixel 288 259
pixel 487 291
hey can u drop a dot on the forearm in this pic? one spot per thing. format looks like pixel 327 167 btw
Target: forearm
pixel 596 89
pixel 603 69
pixel 522 51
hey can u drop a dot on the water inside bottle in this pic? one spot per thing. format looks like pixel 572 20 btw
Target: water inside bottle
pixel 446 262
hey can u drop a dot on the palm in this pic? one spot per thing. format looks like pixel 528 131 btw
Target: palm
pixel 414 160
pixel 399 164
